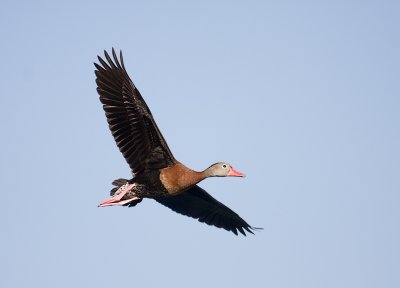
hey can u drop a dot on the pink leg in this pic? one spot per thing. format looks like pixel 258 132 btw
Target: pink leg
pixel 116 199
pixel 120 203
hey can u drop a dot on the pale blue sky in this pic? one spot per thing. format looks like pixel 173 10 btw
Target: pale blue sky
pixel 302 97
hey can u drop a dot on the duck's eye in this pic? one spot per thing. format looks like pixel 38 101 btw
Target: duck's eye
pixel 224 166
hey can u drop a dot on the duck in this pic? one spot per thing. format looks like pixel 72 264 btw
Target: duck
pixel 156 173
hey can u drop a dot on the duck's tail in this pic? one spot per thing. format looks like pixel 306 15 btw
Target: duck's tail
pixel 119 183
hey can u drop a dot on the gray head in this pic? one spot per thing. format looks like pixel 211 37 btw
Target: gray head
pixel 222 169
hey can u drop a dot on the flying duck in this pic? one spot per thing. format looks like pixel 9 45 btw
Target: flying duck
pixel 157 174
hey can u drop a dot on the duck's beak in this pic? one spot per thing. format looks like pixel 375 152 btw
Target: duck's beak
pixel 233 172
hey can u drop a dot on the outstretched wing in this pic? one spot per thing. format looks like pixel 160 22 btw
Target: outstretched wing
pixel 130 120
pixel 197 203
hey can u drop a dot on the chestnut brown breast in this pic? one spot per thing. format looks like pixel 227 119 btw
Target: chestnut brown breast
pixel 178 178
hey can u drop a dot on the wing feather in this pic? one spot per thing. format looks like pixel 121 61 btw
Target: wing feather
pixel 129 118
pixel 198 204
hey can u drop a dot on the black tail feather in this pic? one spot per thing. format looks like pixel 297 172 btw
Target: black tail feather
pixel 117 183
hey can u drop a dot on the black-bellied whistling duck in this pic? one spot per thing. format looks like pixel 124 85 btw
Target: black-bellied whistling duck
pixel 157 174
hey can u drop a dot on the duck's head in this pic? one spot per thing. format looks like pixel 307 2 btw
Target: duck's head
pixel 222 169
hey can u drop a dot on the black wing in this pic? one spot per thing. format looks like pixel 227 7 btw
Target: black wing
pixel 130 120
pixel 197 203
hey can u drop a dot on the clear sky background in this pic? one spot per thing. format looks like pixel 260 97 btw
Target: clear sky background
pixel 302 96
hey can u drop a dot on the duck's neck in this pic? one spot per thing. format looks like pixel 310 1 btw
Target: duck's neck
pixel 200 176
pixel 191 178
pixel 206 173
pixel 179 178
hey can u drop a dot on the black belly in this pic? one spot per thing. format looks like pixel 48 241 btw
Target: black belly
pixel 148 185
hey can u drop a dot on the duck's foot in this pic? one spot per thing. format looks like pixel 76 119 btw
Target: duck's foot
pixel 110 202
pixel 116 199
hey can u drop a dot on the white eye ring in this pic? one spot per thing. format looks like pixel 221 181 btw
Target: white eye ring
pixel 224 166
